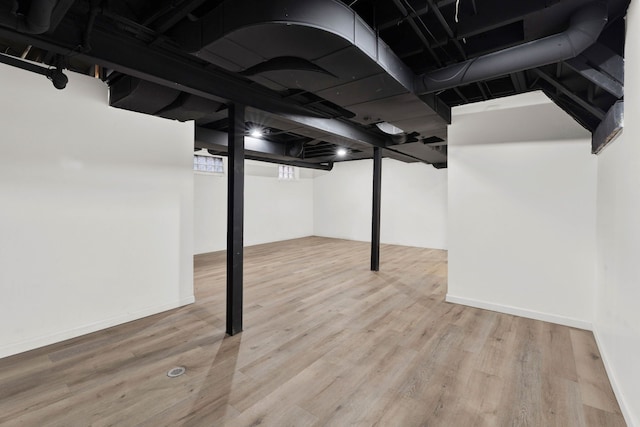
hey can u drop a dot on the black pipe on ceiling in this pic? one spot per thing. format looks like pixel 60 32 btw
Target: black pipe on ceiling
pixel 584 29
pixel 317 166
pixel 36 21
pixel 56 75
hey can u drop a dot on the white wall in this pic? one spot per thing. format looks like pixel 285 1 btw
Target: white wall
pixel 330 204
pixel 522 210
pixel 209 212
pixel 96 211
pixel 413 207
pixel 617 323
pixel 274 209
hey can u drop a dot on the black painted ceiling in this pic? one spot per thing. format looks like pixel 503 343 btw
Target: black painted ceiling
pixel 317 74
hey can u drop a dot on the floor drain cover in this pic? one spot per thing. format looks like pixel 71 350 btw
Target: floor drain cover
pixel 176 372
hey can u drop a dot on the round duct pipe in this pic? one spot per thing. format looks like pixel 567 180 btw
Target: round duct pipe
pixel 584 29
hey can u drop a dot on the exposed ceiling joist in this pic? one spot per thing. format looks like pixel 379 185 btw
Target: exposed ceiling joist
pixel 255 148
pixel 607 60
pixel 602 80
pixel 595 111
pixel 498 15
pixel 338 128
pixel 401 7
pixel 272 60
pixel 177 13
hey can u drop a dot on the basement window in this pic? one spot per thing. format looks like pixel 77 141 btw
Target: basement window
pixel 208 164
pixel 286 172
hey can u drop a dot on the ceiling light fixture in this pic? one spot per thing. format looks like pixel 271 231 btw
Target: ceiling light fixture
pixel 341 152
pixel 389 128
pixel 256 133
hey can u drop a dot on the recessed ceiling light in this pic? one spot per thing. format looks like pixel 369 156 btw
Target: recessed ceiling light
pixel 341 152
pixel 256 133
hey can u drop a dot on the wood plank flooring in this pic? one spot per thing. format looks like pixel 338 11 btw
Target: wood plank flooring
pixel 326 343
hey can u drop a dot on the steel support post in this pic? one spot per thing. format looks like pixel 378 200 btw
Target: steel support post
pixel 375 215
pixel 235 215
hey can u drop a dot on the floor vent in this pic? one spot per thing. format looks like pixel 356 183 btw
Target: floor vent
pixel 176 372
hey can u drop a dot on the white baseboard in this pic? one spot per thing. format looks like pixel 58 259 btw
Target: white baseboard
pixel 516 311
pixel 41 341
pixel 187 300
pixel 624 408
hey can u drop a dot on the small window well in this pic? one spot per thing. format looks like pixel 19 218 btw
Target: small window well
pixel 208 164
pixel 286 172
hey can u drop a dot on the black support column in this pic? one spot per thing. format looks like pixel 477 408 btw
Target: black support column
pixel 235 216
pixel 375 215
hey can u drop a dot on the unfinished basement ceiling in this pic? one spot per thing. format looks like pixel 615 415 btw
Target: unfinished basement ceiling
pixel 318 75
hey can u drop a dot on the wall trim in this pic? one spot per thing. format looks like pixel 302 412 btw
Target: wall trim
pixel 624 408
pixel 37 342
pixel 516 311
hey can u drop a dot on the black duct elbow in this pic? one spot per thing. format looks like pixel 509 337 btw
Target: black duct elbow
pixel 37 21
pixel 584 30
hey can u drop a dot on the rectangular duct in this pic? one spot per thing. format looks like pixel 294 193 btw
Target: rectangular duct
pixel 609 129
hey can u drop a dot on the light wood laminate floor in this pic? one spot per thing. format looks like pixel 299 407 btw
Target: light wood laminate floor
pixel 326 342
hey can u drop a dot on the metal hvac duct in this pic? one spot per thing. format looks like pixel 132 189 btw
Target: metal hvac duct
pixel 36 21
pixel 584 29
